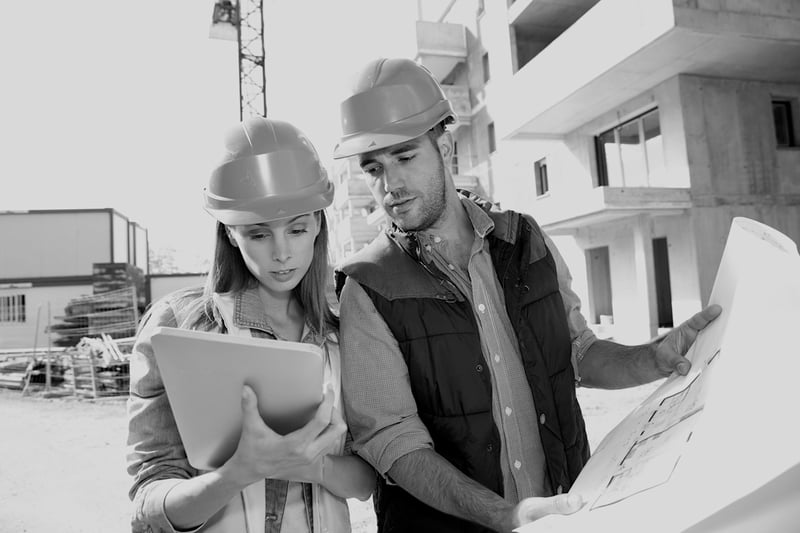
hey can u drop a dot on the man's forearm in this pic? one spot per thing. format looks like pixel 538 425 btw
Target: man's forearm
pixel 608 365
pixel 431 479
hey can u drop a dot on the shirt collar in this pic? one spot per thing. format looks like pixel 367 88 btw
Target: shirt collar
pixel 248 312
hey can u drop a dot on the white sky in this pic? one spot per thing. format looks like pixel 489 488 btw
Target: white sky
pixel 123 104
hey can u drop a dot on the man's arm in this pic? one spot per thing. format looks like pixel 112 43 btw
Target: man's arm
pixel 432 479
pixel 608 365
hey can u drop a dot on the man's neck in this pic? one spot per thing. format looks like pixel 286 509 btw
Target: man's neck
pixel 455 227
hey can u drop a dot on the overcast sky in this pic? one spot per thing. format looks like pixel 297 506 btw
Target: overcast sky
pixel 123 104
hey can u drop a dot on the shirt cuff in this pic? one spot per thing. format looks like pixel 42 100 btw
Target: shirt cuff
pixel 153 505
pixel 393 442
pixel 580 345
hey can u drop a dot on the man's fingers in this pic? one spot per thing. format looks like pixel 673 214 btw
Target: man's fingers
pixel 704 317
pixel 536 508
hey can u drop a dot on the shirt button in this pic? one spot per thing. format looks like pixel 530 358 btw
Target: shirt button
pixel 479 368
pixel 489 447
pixel 496 358
pixel 559 489
pixel 508 411
pixel 428 247
pixel 517 465
pixel 271 516
pixel 437 239
pixel 481 308
pixel 542 418
pixel 451 267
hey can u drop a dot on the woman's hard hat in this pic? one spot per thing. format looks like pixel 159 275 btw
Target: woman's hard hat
pixel 270 171
pixel 393 101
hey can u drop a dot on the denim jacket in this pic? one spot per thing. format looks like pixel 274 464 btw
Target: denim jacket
pixel 155 455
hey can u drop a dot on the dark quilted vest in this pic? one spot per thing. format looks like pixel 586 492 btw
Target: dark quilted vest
pixel 438 336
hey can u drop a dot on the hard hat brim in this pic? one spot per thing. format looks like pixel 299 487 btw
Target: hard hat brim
pixel 394 133
pixel 269 208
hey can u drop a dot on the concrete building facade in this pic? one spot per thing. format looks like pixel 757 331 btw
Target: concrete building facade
pixel 633 131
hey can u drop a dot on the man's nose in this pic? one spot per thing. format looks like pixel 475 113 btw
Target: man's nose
pixel 393 179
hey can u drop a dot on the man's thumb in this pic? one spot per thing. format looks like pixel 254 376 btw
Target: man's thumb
pixel 566 503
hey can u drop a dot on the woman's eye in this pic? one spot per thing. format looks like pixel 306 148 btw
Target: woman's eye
pixel 299 231
pixel 259 236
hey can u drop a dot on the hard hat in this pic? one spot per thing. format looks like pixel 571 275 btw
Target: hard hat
pixel 393 101
pixel 270 171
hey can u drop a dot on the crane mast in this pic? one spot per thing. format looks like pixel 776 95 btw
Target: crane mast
pixel 243 21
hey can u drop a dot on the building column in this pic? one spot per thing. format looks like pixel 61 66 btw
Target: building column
pixel 645 320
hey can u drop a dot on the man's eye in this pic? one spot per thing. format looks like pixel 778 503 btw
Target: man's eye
pixel 405 158
pixel 372 171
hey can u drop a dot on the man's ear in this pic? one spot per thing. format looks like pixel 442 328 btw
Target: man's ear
pixel 445 145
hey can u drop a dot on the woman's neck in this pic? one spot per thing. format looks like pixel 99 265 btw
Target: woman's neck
pixel 284 312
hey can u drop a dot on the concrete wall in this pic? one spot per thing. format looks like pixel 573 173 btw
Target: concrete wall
pixel 53 244
pixel 22 335
pixel 737 169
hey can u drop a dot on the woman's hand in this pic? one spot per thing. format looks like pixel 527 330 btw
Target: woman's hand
pixel 297 456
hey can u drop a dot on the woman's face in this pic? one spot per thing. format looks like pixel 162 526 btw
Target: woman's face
pixel 277 253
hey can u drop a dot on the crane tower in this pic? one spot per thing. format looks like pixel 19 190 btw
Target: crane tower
pixel 243 21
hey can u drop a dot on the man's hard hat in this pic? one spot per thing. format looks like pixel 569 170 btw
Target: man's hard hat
pixel 393 101
pixel 270 171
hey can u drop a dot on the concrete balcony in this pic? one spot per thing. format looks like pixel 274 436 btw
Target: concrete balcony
pixel 547 15
pixel 563 214
pixel 441 46
pixel 459 97
pixel 619 49
pixel 352 190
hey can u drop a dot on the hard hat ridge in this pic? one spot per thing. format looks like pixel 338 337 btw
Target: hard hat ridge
pixel 270 170
pixel 393 101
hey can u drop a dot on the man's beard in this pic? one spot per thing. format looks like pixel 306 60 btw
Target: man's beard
pixel 433 205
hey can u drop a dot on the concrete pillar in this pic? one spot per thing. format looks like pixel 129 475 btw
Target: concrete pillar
pixel 645 320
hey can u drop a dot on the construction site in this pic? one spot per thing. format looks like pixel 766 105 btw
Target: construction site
pixel 633 131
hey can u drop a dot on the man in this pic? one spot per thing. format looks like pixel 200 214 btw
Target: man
pixel 461 338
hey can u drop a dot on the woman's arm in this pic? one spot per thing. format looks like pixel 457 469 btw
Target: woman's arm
pixel 348 475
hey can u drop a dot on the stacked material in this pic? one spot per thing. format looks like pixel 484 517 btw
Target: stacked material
pixel 97 367
pixel 113 313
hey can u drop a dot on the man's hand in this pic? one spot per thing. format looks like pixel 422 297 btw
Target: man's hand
pixel 670 351
pixel 531 509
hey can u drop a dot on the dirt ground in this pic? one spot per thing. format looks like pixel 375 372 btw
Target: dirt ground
pixel 62 460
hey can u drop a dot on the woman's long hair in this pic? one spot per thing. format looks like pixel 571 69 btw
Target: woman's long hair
pixel 229 273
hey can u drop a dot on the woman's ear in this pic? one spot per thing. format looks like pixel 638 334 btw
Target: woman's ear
pixel 230 237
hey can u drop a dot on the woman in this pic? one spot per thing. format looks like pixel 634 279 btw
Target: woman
pixel 267 280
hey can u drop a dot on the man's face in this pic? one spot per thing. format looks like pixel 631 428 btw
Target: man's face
pixel 408 180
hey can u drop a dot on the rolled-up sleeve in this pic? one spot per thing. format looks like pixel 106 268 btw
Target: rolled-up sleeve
pixel 380 407
pixel 582 337
pixel 155 455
